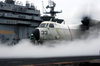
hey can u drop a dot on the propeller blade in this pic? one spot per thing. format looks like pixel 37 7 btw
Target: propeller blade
pixel 87 14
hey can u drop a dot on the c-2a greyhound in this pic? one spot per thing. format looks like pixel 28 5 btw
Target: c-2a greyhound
pixel 50 31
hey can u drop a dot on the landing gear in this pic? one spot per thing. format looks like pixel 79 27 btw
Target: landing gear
pixel 12 43
pixel 38 42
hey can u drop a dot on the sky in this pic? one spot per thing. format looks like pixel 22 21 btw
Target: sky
pixel 72 10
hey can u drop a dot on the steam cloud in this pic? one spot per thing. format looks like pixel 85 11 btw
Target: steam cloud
pixel 78 47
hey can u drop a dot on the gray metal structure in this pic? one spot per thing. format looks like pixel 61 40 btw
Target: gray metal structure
pixel 52 13
pixel 16 21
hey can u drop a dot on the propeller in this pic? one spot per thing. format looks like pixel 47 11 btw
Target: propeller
pixel 87 14
pixel 86 21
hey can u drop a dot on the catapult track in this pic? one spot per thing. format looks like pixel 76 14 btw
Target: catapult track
pixel 45 61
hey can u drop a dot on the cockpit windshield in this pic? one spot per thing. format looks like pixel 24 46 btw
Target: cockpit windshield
pixel 42 25
pixel 50 25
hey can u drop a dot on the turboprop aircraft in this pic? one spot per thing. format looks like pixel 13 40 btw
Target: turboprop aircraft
pixel 49 30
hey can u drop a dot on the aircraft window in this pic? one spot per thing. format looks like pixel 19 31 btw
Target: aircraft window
pixel 47 24
pixel 51 25
pixel 42 25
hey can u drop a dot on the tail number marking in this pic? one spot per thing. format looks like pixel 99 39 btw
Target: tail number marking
pixel 44 32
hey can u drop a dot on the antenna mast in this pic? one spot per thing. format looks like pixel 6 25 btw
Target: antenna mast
pixel 52 6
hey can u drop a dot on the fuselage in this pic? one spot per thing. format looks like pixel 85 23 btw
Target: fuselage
pixel 54 31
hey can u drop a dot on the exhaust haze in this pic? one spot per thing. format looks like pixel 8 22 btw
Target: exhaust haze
pixel 25 49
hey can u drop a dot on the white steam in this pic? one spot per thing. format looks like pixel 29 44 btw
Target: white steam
pixel 25 49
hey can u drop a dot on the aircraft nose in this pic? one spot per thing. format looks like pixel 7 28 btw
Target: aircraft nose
pixel 36 34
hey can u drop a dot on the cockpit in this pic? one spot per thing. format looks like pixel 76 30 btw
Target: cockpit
pixel 47 25
pixel 51 25
pixel 42 25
